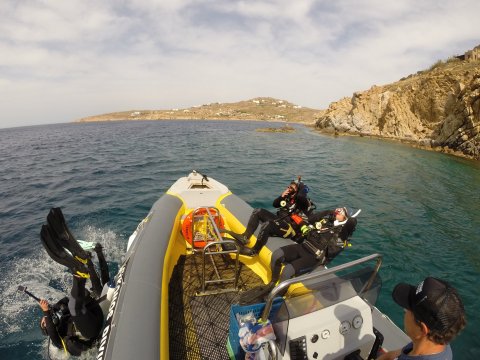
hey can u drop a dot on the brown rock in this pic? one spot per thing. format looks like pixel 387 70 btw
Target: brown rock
pixel 439 106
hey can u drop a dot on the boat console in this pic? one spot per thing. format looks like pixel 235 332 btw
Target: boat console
pixel 331 320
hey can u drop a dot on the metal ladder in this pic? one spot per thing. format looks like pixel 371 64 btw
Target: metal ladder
pixel 210 243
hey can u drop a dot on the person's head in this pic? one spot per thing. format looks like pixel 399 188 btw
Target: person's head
pixel 341 214
pixel 433 307
pixel 293 187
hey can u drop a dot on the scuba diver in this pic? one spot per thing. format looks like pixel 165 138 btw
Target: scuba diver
pixel 292 202
pixel 323 242
pixel 75 322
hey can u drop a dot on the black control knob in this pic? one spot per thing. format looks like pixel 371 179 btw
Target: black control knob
pixel 314 338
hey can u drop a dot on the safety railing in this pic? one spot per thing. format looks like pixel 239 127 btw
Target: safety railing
pixel 214 245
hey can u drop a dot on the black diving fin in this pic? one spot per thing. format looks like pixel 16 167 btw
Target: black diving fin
pixel 256 294
pixel 62 237
pixel 60 255
pixel 57 223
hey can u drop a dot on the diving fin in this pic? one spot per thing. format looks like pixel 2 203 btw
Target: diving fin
pixel 62 236
pixel 255 295
pixel 57 223
pixel 60 255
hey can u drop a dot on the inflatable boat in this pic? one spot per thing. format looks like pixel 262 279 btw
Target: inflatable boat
pixel 176 293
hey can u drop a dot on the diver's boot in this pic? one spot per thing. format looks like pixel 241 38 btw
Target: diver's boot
pixel 252 251
pixel 246 251
pixel 239 237
pixel 256 294
pixel 259 293
pixel 244 239
pixel 105 275
pixel 60 255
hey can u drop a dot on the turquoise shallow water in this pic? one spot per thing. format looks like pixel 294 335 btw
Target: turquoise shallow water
pixel 421 210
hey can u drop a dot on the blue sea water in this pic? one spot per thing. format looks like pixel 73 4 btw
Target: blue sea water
pixel 420 209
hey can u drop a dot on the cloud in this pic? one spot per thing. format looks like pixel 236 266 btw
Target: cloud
pixel 64 60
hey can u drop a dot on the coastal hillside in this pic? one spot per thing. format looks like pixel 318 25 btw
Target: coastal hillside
pixel 262 108
pixel 438 108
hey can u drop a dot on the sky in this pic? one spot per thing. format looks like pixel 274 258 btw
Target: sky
pixel 64 60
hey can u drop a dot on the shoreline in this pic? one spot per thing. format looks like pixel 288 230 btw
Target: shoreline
pixel 411 143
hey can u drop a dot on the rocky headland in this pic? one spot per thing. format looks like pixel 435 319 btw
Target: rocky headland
pixel 437 109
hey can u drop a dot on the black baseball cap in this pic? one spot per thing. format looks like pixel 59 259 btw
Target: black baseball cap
pixel 433 302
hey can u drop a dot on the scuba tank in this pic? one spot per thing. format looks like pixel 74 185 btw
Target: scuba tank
pixel 106 296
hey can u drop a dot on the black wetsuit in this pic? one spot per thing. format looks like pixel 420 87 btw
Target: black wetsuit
pixel 279 224
pixel 319 248
pixel 80 314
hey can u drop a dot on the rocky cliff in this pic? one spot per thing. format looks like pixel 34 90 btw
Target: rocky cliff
pixel 437 108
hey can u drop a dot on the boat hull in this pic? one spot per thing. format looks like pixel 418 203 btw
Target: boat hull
pixel 156 311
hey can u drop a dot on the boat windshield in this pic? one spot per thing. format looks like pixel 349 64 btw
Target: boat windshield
pixel 331 290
